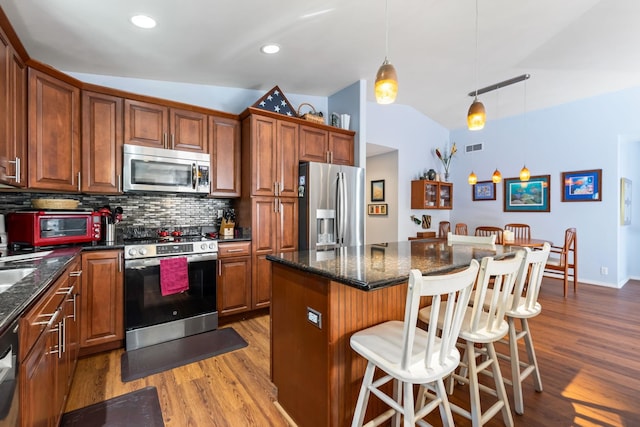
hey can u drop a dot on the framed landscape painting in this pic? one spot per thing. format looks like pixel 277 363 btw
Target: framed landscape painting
pixel 582 186
pixel 484 190
pixel 529 196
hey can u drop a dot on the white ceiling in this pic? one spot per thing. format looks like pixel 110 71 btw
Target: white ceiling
pixel 572 48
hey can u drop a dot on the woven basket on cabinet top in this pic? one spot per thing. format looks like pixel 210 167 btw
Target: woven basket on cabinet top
pixel 311 116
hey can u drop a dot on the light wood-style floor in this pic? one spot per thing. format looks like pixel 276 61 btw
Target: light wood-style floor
pixel 588 348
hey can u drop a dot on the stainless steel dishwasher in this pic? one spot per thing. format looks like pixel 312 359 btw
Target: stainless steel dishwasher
pixel 9 393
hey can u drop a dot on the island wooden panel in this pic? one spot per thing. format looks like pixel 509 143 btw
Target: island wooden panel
pixel 316 373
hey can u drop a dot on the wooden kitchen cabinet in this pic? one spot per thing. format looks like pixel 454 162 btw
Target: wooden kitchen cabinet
pixel 325 146
pixel 158 126
pixel 13 119
pixel 427 194
pixel 54 133
pixel 270 148
pixel 102 308
pixel 48 349
pixel 234 277
pixel 275 230
pixel 224 142
pixel 102 139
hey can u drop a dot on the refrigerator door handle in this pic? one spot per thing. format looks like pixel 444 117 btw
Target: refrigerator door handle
pixel 341 204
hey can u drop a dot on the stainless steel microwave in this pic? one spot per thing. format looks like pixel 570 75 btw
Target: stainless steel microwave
pixel 158 169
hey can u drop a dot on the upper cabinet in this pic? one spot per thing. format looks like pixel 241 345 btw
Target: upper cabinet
pixel 427 194
pixel 159 126
pixel 272 148
pixel 325 146
pixel 224 143
pixel 101 143
pixel 54 133
pixel 13 119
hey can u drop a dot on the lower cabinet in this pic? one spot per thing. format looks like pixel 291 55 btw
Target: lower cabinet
pixel 234 278
pixel 48 348
pixel 102 309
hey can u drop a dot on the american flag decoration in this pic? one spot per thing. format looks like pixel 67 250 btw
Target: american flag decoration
pixel 276 102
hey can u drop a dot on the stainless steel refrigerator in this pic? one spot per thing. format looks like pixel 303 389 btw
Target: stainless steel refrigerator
pixel 331 206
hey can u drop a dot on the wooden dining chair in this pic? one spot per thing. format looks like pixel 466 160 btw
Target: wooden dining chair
pixel 443 229
pixel 461 229
pixel 520 231
pixel 485 230
pixel 563 260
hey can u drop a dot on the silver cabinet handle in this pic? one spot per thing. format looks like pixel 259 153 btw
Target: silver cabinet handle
pixel 119 183
pixel 79 180
pixel 164 140
pixel 16 177
pixel 235 250
pixel 173 141
pixel 119 262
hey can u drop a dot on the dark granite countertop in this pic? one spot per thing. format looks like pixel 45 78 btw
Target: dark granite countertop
pixel 376 266
pixel 21 295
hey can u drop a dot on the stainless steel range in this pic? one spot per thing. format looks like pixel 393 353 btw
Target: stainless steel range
pixel 155 313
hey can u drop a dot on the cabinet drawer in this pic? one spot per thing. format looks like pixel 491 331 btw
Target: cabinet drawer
pixel 231 249
pixel 45 313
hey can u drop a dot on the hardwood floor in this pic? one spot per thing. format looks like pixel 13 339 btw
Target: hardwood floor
pixel 588 349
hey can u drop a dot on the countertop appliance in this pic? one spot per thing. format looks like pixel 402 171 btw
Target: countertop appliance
pixel 159 169
pixel 331 206
pixel 37 228
pixel 150 317
pixel 9 390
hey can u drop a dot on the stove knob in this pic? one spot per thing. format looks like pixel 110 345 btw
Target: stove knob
pixel 133 252
pixel 143 251
pixel 212 246
pixel 203 246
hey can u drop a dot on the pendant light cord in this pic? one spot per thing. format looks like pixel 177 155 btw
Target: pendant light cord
pixel 386 37
pixel 477 36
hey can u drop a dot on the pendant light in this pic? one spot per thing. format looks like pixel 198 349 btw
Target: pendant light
pixel 524 172
pixel 473 178
pixel 386 86
pixel 497 176
pixel 477 116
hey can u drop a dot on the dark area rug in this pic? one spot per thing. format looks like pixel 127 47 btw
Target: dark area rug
pixel 138 408
pixel 168 355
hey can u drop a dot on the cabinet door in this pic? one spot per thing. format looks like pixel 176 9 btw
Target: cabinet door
pixel 102 304
pixel 264 242
pixel 224 139
pixel 287 159
pixel 145 124
pixel 72 318
pixel 234 285
pixel 314 144
pixel 13 126
pixel 54 131
pixel 341 148
pixel 101 143
pixel 188 131
pixel 263 156
pixel 261 283
pixel 287 227
pixel 37 383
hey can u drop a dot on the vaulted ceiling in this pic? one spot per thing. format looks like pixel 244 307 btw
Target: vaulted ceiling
pixel 572 48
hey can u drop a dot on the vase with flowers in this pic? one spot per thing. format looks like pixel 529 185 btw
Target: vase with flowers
pixel 445 158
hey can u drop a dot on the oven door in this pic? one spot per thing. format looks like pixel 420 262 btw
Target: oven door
pixel 151 318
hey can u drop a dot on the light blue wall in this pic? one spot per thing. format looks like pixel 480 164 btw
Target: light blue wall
pixel 227 99
pixel 571 137
pixel 415 136
pixel 629 235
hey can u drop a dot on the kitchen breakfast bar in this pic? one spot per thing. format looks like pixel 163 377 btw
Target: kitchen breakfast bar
pixel 320 298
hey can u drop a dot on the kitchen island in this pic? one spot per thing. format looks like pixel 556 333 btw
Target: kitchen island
pixel 320 298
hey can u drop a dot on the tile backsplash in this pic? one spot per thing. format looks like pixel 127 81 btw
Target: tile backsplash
pixel 139 210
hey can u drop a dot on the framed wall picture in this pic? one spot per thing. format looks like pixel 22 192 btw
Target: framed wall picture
pixel 529 196
pixel 582 186
pixel 377 191
pixel 377 209
pixel 625 201
pixel 484 190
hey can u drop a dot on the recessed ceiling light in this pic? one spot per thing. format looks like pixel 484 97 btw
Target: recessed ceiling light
pixel 270 48
pixel 143 21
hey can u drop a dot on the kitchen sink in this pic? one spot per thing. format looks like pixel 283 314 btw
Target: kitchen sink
pixel 10 277
pixel 23 257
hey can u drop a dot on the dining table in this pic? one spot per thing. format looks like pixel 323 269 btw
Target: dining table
pixel 527 242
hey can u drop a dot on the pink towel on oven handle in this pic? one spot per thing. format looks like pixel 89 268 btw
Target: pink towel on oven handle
pixel 174 275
